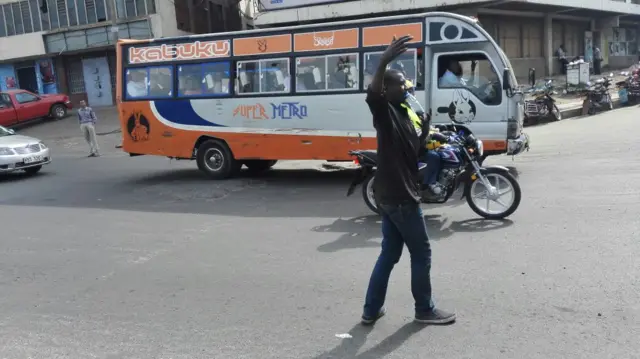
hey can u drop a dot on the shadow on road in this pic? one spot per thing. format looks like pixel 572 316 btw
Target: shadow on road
pixel 359 232
pixel 159 185
pixel 20 176
pixel 350 347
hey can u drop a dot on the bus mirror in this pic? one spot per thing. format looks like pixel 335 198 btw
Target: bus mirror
pixel 506 79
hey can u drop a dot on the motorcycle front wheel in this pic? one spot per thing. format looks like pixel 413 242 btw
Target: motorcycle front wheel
pixel 368 194
pixel 506 200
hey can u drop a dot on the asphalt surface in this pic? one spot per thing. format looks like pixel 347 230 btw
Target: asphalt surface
pixel 119 257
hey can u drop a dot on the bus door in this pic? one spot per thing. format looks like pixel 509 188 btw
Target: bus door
pixel 466 89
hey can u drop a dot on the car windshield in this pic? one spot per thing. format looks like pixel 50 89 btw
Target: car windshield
pixel 5 132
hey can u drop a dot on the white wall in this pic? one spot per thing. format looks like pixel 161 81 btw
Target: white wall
pixel 163 22
pixel 380 7
pixel 19 46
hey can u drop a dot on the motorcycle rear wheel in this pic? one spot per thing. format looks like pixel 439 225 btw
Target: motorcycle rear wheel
pixel 368 194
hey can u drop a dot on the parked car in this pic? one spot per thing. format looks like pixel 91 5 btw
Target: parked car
pixel 18 106
pixel 21 153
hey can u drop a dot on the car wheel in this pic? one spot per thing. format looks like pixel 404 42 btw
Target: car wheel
pixel 58 112
pixel 33 170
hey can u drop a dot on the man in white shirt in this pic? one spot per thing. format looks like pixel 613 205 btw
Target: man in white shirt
pixel 452 77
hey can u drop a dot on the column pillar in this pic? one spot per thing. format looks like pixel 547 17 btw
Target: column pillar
pixel 547 49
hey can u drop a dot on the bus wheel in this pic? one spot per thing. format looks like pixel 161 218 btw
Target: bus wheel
pixel 259 165
pixel 216 160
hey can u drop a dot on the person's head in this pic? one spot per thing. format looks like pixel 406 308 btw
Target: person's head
pixel 455 68
pixel 561 47
pixel 394 86
pixel 83 103
pixel 397 65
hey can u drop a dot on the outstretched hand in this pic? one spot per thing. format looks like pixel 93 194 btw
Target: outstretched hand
pixel 395 49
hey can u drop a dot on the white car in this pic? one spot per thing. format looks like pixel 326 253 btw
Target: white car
pixel 21 153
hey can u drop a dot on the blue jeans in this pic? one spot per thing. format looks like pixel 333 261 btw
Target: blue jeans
pixel 401 224
pixel 434 164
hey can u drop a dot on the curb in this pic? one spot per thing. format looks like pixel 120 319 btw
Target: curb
pixel 577 111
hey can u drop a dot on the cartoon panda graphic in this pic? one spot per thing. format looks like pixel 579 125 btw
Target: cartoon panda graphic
pixel 461 109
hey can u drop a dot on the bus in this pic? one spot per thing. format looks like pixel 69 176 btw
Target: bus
pixel 297 93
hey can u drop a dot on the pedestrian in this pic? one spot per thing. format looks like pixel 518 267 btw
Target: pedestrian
pixel 88 119
pixel 597 60
pixel 397 192
pixel 562 58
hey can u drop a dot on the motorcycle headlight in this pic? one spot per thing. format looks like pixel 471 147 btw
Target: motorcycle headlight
pixel 480 147
pixel 6 151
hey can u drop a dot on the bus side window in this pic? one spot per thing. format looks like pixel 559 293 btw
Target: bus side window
pixel 217 78
pixel 405 63
pixel 136 83
pixel 264 76
pixel 208 79
pixel 160 81
pixel 248 77
pixel 342 72
pixel 311 74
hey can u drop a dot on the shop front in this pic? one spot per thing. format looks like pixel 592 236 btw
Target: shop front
pixel 37 76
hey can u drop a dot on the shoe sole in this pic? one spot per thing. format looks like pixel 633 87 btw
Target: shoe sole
pixel 371 321
pixel 436 321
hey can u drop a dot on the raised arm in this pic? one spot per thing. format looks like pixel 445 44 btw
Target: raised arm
pixel 395 49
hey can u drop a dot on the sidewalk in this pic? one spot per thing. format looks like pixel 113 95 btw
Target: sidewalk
pixel 68 127
pixel 572 99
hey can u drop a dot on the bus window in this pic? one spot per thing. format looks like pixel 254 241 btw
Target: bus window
pixel 160 81
pixel 405 63
pixel 264 76
pixel 311 74
pixel 137 83
pixel 329 72
pixel 342 72
pixel 154 81
pixel 209 79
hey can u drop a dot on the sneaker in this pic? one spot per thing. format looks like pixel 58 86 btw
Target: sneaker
pixel 436 316
pixel 366 320
pixel 92 155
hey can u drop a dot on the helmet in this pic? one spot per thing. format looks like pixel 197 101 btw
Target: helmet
pixel 410 87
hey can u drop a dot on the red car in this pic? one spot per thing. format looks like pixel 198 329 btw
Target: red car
pixel 18 106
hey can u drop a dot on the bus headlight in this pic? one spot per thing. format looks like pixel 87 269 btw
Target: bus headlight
pixel 480 147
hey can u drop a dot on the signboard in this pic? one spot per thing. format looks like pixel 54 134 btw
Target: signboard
pixel 176 52
pixel 269 5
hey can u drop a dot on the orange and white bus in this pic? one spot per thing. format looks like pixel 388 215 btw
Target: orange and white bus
pixel 254 97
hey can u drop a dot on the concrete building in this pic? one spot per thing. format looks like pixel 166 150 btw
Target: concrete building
pixel 529 31
pixel 67 46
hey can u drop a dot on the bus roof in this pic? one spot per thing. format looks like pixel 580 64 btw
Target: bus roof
pixel 469 20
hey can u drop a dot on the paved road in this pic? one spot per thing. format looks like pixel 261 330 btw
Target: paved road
pixel 118 257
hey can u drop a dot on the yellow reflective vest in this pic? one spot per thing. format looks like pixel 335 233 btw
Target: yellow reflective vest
pixel 417 123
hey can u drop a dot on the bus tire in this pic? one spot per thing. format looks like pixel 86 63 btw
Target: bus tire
pixel 259 165
pixel 215 159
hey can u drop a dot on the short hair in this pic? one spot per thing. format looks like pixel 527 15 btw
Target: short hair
pixel 393 77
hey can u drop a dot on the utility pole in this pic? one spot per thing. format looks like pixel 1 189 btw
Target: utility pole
pixel 114 21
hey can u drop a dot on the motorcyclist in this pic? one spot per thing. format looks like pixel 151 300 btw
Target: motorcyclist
pixel 432 138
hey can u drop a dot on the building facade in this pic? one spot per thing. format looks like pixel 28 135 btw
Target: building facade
pixel 529 32
pixel 67 46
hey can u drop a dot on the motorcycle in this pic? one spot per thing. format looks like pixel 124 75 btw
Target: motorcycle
pixel 542 105
pixel 460 166
pixel 598 96
pixel 629 89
